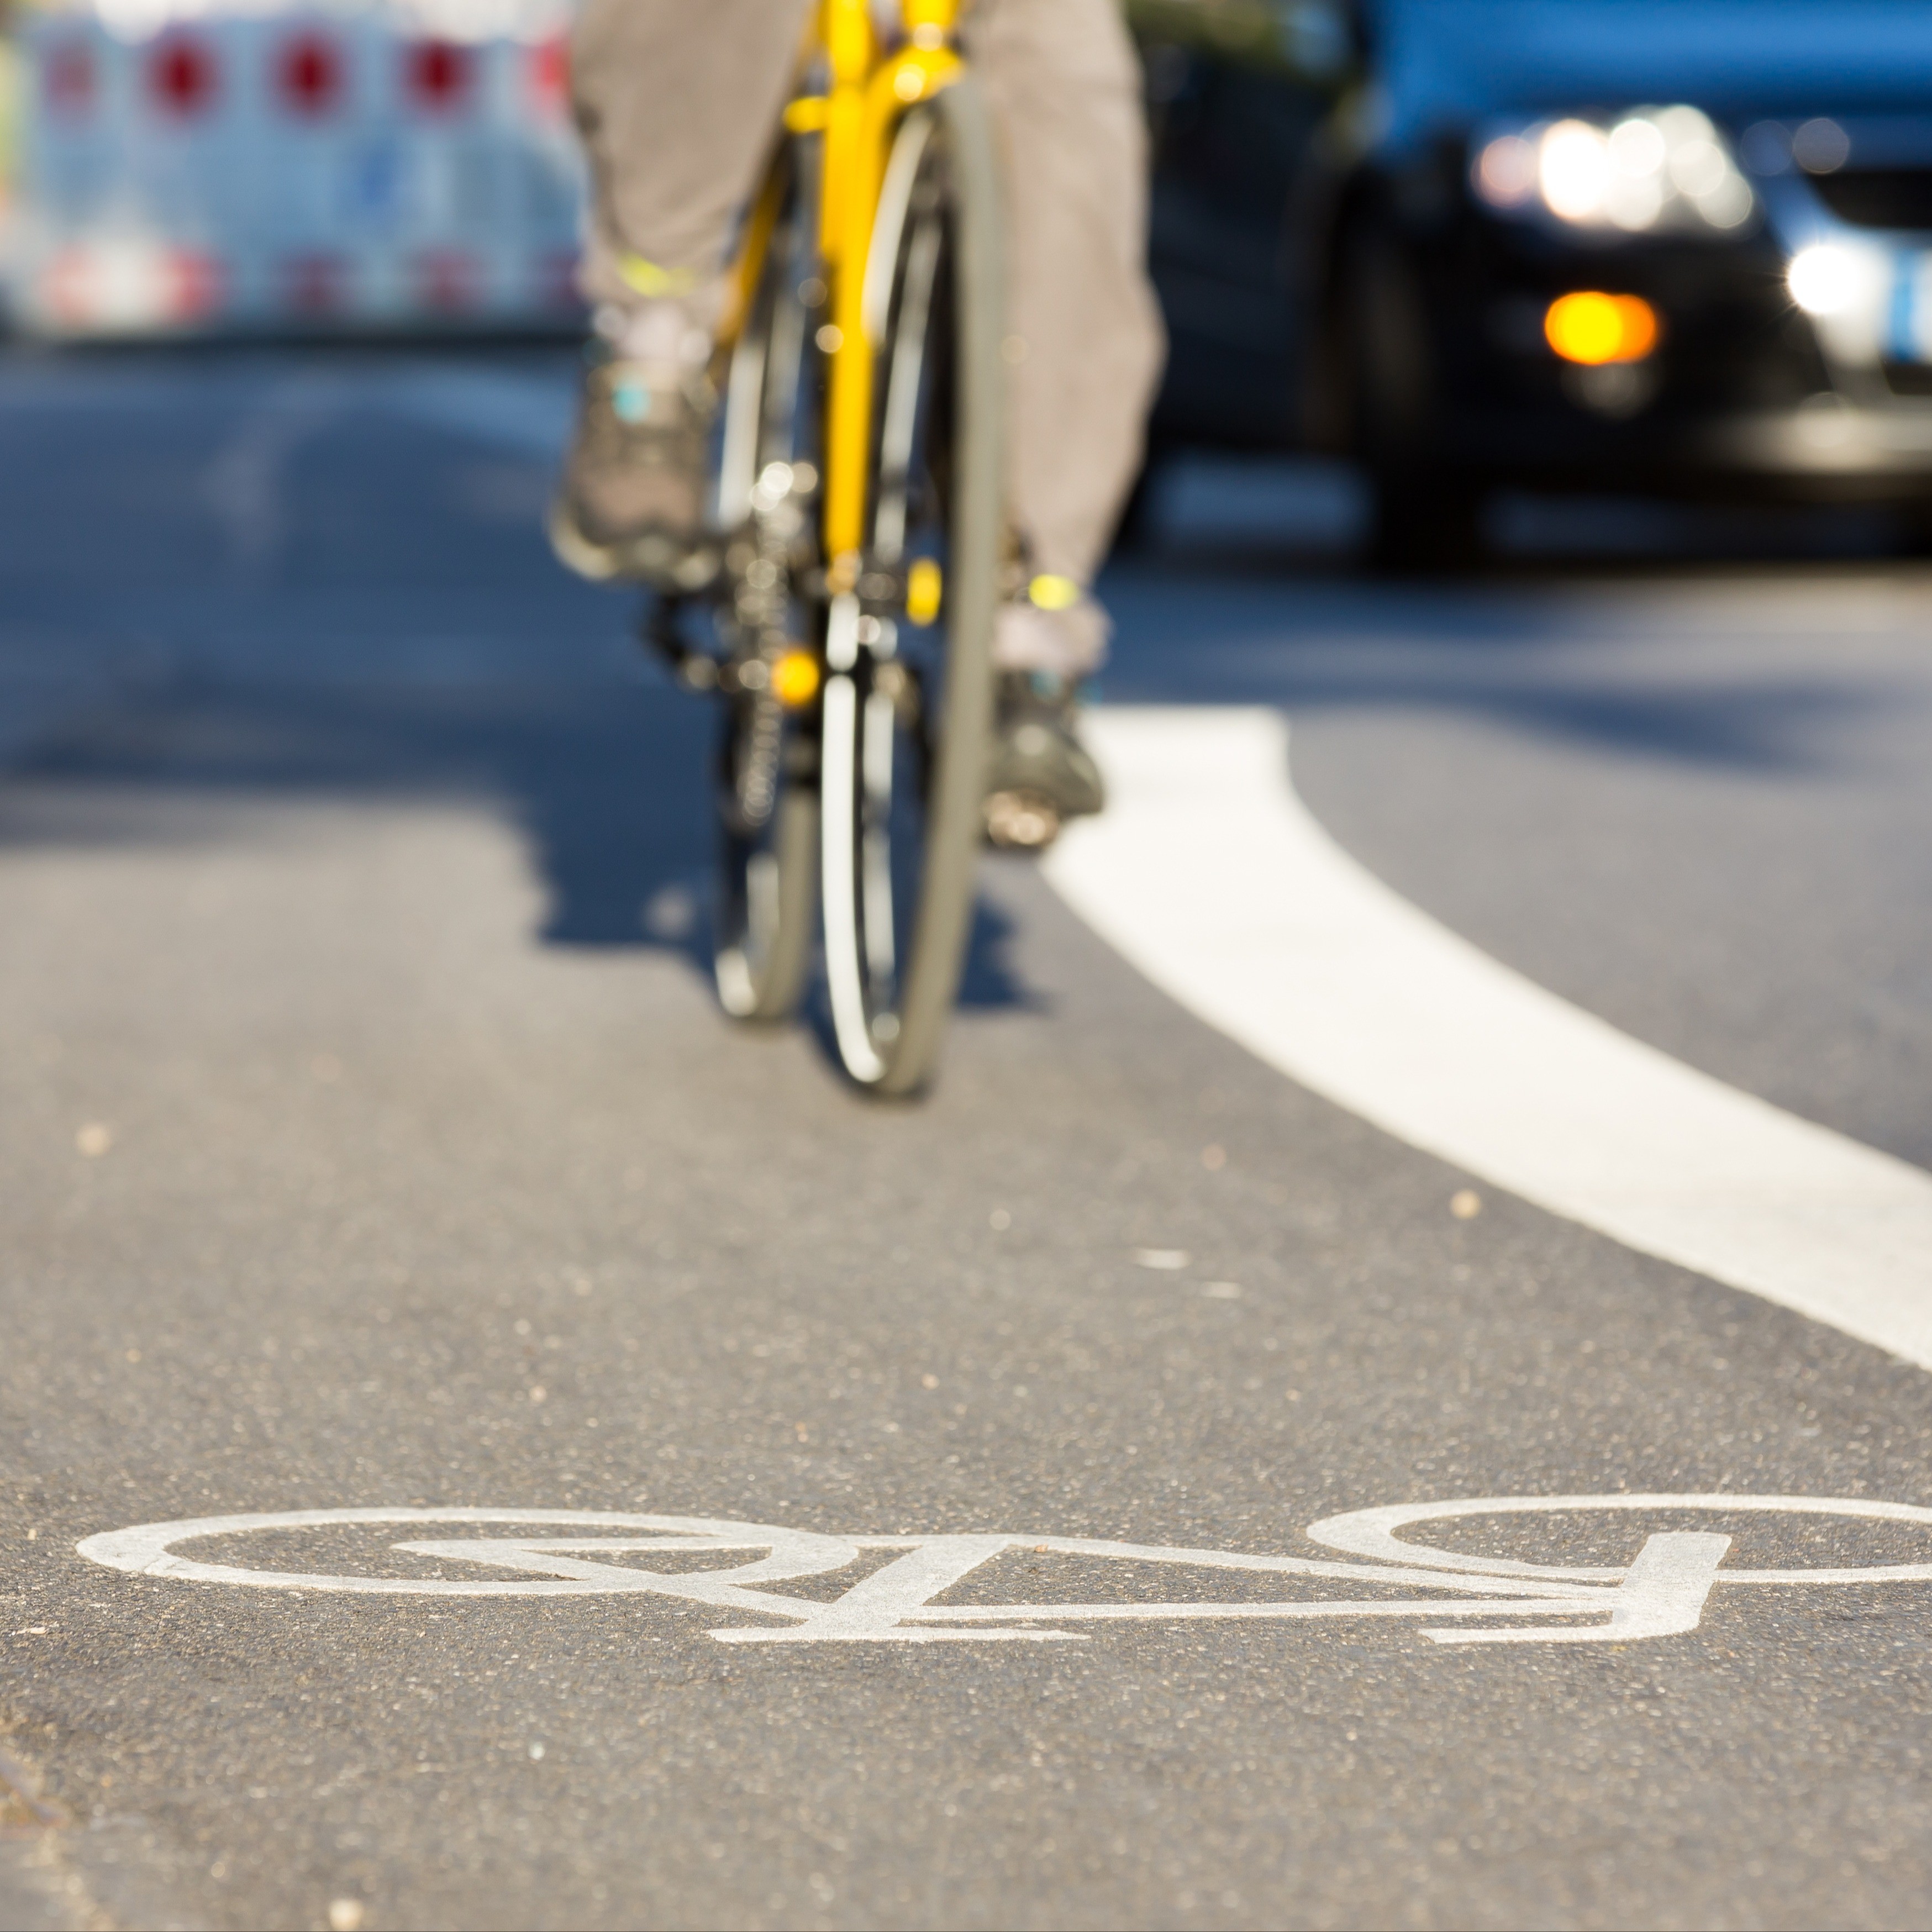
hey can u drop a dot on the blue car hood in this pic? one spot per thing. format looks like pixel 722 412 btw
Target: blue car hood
pixel 1442 63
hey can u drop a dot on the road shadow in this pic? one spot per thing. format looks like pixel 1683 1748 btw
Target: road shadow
pixel 1247 585
pixel 1760 720
pixel 254 578
pixel 1262 514
pixel 608 785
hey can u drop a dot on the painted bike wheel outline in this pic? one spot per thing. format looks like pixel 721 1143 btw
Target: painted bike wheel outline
pixel 1371 1533
pixel 145 1549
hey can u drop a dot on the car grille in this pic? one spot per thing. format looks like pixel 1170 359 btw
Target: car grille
pixel 1878 197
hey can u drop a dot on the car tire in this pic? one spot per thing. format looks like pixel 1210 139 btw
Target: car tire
pixel 1137 528
pixel 1425 521
pixel 1427 511
pixel 1915 537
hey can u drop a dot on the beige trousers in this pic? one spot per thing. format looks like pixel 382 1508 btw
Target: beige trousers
pixel 677 100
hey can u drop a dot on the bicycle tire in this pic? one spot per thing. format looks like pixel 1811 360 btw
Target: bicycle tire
pixel 900 851
pixel 767 756
pixel 762 954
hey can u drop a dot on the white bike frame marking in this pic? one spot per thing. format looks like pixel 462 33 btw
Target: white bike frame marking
pixel 1661 1592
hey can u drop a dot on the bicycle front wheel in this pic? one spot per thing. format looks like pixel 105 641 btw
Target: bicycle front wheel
pixel 907 703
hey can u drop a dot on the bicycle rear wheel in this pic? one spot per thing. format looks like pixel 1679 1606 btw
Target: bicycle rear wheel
pixel 907 704
pixel 767 752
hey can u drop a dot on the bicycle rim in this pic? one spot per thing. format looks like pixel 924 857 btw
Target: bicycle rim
pixel 907 706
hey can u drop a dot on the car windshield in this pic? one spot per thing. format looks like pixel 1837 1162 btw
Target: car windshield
pixel 1447 61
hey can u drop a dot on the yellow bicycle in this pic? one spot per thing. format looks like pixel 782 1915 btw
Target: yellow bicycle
pixel 860 514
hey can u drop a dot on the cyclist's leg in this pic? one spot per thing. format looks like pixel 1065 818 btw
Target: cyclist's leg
pixel 676 102
pixel 1087 347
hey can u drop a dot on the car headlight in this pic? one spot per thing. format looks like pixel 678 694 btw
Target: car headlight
pixel 1652 169
pixel 1829 278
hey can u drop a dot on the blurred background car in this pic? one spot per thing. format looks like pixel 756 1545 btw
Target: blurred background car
pixel 1681 248
pixel 1677 247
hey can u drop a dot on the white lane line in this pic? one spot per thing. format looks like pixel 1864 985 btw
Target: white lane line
pixel 1211 877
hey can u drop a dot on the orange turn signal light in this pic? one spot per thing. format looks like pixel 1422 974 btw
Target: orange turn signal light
pixel 1591 328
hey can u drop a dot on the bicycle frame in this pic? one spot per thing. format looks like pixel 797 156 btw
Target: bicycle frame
pixel 869 93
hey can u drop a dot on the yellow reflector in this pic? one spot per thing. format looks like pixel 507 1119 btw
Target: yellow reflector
pixel 1053 593
pixel 1591 328
pixel 795 679
pixel 925 586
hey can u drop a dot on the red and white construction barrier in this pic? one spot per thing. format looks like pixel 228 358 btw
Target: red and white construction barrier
pixel 362 164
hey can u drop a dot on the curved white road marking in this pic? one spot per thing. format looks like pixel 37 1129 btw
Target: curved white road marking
pixel 1661 1592
pixel 1212 877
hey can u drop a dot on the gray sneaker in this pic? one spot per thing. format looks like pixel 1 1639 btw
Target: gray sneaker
pixel 632 503
pixel 1040 775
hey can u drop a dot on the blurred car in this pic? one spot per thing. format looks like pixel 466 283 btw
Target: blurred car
pixel 1678 246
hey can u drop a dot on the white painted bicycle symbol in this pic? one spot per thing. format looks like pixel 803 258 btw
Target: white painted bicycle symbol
pixel 1661 1592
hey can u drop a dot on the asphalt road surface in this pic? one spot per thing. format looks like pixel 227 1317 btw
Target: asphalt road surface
pixel 371 1141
